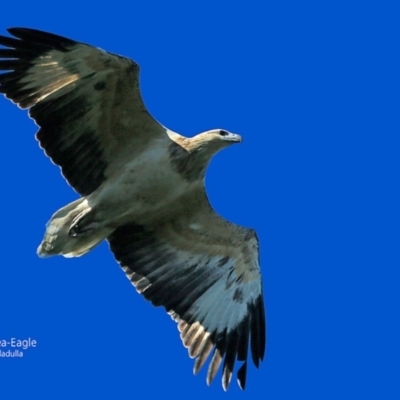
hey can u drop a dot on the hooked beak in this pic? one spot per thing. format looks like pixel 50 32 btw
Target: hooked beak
pixel 234 137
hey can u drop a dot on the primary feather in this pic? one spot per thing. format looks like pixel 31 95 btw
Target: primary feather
pixel 142 189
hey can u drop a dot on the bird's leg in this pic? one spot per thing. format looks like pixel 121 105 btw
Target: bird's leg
pixel 82 224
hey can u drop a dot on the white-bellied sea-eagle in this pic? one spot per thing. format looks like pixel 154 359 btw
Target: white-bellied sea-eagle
pixel 142 190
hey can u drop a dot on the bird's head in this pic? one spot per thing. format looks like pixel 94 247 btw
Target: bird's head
pixel 215 140
pixel 191 156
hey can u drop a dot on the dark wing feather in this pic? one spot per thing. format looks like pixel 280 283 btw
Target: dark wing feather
pixel 213 295
pixel 86 102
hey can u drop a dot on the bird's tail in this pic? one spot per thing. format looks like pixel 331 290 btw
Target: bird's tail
pixel 58 238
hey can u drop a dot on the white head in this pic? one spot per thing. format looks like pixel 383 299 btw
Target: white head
pixel 212 141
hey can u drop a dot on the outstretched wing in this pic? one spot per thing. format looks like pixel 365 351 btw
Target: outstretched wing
pixel 205 272
pixel 86 102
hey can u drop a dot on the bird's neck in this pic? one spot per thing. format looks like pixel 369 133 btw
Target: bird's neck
pixel 191 162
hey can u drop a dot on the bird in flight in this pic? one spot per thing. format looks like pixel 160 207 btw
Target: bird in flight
pixel 142 190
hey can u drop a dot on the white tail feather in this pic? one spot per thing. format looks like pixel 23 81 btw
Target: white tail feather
pixel 57 239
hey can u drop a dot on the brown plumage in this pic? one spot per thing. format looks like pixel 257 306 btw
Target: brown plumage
pixel 142 189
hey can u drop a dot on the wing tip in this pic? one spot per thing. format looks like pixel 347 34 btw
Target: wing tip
pixel 241 376
pixel 16 29
pixel 40 37
pixel 258 331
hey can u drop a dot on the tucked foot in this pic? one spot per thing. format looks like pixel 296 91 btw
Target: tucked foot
pixel 82 224
pixel 80 229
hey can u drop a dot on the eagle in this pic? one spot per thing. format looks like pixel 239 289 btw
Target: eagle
pixel 141 188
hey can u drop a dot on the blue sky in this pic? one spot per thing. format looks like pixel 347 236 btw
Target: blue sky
pixel 313 88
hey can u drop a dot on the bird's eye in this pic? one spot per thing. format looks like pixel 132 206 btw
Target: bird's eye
pixel 223 133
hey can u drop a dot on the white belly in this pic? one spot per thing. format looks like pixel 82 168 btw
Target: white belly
pixel 141 190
